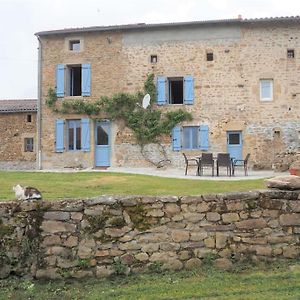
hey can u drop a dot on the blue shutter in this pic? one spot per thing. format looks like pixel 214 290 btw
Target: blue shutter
pixel 176 138
pixel 204 143
pixel 161 90
pixel 59 135
pixel 60 80
pixel 85 134
pixel 188 90
pixel 86 80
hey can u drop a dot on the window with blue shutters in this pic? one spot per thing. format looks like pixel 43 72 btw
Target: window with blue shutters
pixel 73 80
pixel 192 137
pixel 175 90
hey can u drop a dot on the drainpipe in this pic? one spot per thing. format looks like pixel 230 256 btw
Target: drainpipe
pixel 39 108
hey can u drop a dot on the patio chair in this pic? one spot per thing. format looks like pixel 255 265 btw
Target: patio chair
pixel 191 162
pixel 241 163
pixel 224 160
pixel 207 161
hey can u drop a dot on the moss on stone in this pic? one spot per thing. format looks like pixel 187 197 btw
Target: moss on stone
pixel 138 217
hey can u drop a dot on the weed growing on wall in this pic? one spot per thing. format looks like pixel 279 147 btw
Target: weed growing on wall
pixel 148 125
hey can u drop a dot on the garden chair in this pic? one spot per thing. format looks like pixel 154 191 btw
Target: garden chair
pixel 241 163
pixel 207 161
pixel 224 160
pixel 191 162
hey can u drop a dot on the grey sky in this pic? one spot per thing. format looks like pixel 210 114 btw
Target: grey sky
pixel 20 19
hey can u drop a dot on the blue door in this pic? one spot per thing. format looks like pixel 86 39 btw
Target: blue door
pixel 102 144
pixel 235 144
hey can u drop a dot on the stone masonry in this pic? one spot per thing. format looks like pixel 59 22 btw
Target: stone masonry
pixel 226 89
pixel 14 129
pixel 118 235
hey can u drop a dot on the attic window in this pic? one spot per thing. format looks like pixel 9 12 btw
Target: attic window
pixel 290 53
pixel 74 45
pixel 29 118
pixel 209 56
pixel 153 59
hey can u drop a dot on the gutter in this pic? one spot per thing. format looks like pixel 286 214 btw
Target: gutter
pixel 39 108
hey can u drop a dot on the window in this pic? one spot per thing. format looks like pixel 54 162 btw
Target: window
pixel 74 45
pixel 29 118
pixel 73 80
pixel 266 89
pixel 175 90
pixel 153 59
pixel 28 144
pixel 190 138
pixel 74 135
pixel 209 56
pixel 290 53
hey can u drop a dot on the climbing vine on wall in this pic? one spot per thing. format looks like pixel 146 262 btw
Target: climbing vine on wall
pixel 148 125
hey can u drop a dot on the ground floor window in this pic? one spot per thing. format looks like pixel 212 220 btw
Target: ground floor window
pixel 28 144
pixel 190 137
pixel 74 135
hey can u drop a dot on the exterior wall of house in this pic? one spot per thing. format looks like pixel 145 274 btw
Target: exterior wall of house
pixel 14 130
pixel 226 90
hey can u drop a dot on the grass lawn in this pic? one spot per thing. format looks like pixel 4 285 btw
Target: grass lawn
pixel 90 184
pixel 276 283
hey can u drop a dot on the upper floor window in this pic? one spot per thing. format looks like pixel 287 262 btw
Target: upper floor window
pixel 266 89
pixel 175 90
pixel 29 118
pixel 73 80
pixel 74 45
pixel 209 56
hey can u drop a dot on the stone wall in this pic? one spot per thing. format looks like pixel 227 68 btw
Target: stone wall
pixel 14 130
pixel 114 235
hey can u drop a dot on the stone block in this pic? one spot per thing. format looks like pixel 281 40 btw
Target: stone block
pixel 49 273
pixel 173 265
pixel 171 209
pixel 210 242
pixel 71 241
pixel 221 240
pixel 193 217
pixel 223 263
pixel 57 226
pixel 57 215
pixel 230 217
pixel 169 246
pixel 193 263
pixel 51 240
pixel 104 271
pixel 251 224
pixel 133 245
pixel 142 257
pixel 179 236
pixel 213 216
pixel 184 255
pixel 290 219
pixel 291 251
pixel 198 236
pixel 289 182
pixel 202 207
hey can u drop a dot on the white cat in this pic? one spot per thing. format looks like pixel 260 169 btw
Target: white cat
pixel 27 193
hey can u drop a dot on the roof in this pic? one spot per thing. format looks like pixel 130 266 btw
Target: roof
pixel 10 106
pixel 144 26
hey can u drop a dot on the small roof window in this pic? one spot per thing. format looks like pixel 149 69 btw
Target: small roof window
pixel 74 45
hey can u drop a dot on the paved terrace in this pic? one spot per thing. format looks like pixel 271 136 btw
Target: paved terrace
pixel 179 173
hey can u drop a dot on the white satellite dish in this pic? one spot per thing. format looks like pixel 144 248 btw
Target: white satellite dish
pixel 146 101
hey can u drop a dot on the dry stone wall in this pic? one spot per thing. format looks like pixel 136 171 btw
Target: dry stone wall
pixel 115 235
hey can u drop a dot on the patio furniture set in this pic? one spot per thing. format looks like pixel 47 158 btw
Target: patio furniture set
pixel 222 160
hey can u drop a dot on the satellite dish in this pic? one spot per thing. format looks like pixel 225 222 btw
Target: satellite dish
pixel 146 101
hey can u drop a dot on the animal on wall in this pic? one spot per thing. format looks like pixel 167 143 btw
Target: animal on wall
pixel 27 193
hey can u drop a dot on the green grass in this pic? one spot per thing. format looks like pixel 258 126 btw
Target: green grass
pixel 90 184
pixel 276 283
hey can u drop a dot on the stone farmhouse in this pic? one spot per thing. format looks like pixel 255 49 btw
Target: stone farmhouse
pixel 18 134
pixel 239 78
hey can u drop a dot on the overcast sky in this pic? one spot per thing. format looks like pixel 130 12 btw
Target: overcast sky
pixel 20 19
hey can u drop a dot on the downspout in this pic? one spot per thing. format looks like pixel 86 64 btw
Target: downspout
pixel 39 108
